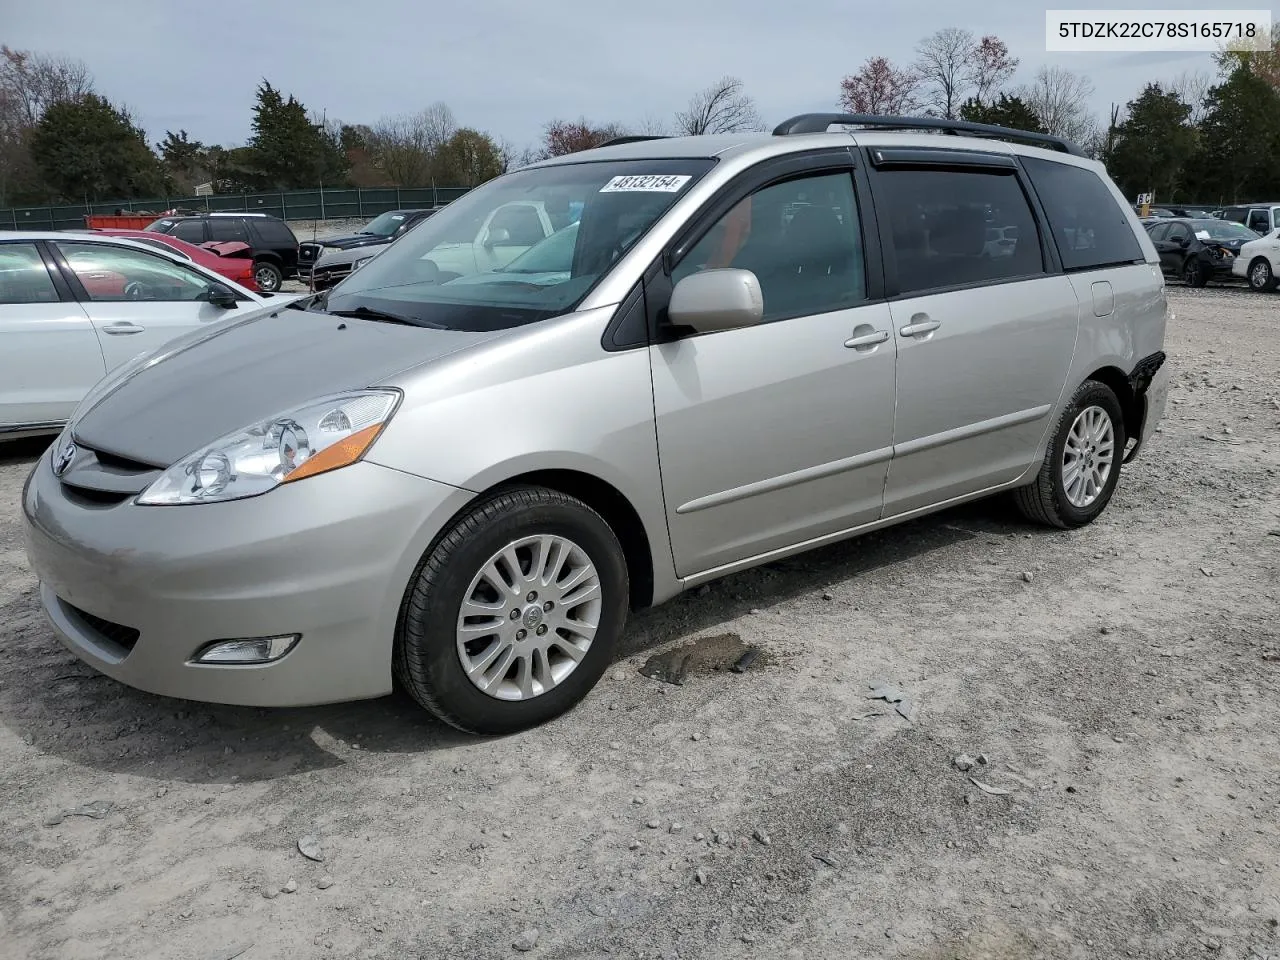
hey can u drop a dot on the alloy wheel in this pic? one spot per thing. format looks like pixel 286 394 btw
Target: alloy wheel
pixel 1088 456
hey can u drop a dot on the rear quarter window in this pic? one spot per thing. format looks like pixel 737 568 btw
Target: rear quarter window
pixel 1090 228
pixel 275 234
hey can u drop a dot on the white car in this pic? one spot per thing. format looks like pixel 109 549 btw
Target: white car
pixel 73 307
pixel 492 241
pixel 1259 262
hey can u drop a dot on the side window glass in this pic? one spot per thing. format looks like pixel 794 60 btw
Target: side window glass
pixel 113 273
pixel 1258 221
pixel 191 231
pixel 1178 233
pixel 1159 232
pixel 950 227
pixel 226 228
pixel 1087 222
pixel 23 275
pixel 273 232
pixel 802 240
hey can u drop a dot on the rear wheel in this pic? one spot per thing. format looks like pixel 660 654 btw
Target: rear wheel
pixel 514 613
pixel 1082 465
pixel 267 276
pixel 1194 273
pixel 1261 277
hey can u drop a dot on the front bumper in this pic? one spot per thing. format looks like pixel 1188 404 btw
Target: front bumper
pixel 135 591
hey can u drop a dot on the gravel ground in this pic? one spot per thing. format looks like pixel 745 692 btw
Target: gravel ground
pixel 1120 682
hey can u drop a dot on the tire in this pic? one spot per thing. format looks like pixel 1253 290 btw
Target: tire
pixel 268 276
pixel 1194 273
pixel 428 653
pixel 1261 277
pixel 1046 500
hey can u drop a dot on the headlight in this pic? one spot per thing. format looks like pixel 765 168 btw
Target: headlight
pixel 323 435
pixel 360 263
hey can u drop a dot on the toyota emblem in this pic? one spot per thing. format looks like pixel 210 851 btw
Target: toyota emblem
pixel 63 460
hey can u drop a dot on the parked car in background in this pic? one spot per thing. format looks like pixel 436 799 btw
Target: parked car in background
pixel 275 248
pixel 379 231
pixel 1258 262
pixel 75 306
pixel 222 258
pixel 748 346
pixel 1261 218
pixel 1199 250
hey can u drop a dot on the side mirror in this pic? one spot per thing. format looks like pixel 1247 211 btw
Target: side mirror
pixel 496 236
pixel 221 296
pixel 720 299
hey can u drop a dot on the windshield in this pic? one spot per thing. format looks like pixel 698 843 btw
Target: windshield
pixel 465 268
pixel 160 226
pixel 384 225
pixel 1222 230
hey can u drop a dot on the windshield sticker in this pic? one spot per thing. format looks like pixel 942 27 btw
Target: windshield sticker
pixel 1202 234
pixel 646 183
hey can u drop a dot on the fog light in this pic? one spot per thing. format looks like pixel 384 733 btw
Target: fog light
pixel 257 650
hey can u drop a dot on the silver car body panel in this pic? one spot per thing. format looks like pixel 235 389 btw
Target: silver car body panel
pixel 733 448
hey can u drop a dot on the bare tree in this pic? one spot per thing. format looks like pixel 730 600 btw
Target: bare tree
pixel 1060 99
pixel 569 136
pixel 405 147
pixel 652 126
pixel 992 67
pixel 1193 86
pixel 881 88
pixel 944 63
pixel 36 81
pixel 723 107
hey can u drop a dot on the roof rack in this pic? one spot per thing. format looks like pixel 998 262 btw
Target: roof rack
pixel 629 139
pixel 819 122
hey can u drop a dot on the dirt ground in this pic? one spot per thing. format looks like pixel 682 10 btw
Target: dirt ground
pixel 1121 683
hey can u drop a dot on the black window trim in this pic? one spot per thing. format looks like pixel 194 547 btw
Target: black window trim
pixel 81 295
pixel 883 158
pixel 1051 263
pixel 55 276
pixel 768 172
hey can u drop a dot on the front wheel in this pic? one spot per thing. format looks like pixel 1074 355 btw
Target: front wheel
pixel 1194 273
pixel 514 613
pixel 1261 277
pixel 1082 466
pixel 267 276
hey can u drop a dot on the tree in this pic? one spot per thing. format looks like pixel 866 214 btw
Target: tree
pixel 723 107
pixel 468 159
pixel 291 150
pixel 182 159
pixel 37 81
pixel 991 68
pixel 1264 64
pixel 90 149
pixel 1192 87
pixel 405 147
pixel 561 137
pixel 1151 148
pixel 1060 99
pixel 1239 139
pixel 945 64
pixel 881 88
pixel 1005 111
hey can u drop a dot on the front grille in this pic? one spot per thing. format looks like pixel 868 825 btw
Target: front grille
pixel 116 634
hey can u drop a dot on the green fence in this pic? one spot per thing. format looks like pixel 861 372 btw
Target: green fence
pixel 290 205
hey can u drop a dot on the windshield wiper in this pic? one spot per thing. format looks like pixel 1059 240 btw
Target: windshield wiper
pixel 382 316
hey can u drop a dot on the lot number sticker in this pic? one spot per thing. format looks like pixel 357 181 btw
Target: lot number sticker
pixel 647 183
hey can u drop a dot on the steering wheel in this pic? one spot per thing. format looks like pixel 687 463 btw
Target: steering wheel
pixel 134 290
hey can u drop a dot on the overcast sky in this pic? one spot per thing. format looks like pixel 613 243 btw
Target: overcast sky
pixel 509 66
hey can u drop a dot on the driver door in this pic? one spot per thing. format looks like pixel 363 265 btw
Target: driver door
pixel 137 301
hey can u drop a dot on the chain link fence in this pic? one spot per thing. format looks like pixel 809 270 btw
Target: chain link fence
pixel 293 205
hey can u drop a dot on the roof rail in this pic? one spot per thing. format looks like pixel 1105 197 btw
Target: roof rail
pixel 819 122
pixel 629 139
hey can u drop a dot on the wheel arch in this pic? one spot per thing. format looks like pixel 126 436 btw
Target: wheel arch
pixel 1122 386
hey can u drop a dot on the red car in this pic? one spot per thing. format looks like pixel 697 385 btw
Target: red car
pixel 232 260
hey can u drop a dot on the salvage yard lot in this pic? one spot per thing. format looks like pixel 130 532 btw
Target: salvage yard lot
pixel 1121 682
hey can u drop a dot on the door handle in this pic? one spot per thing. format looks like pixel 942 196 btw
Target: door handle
pixel 920 326
pixel 867 339
pixel 123 329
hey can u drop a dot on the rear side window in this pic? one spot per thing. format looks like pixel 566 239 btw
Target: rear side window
pixel 951 228
pixel 191 231
pixel 1157 231
pixel 1091 229
pixel 23 275
pixel 225 228
pixel 275 234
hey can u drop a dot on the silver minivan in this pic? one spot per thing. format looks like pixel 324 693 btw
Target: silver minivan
pixel 722 351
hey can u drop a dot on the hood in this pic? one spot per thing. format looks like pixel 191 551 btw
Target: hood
pixel 353 240
pixel 226 377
